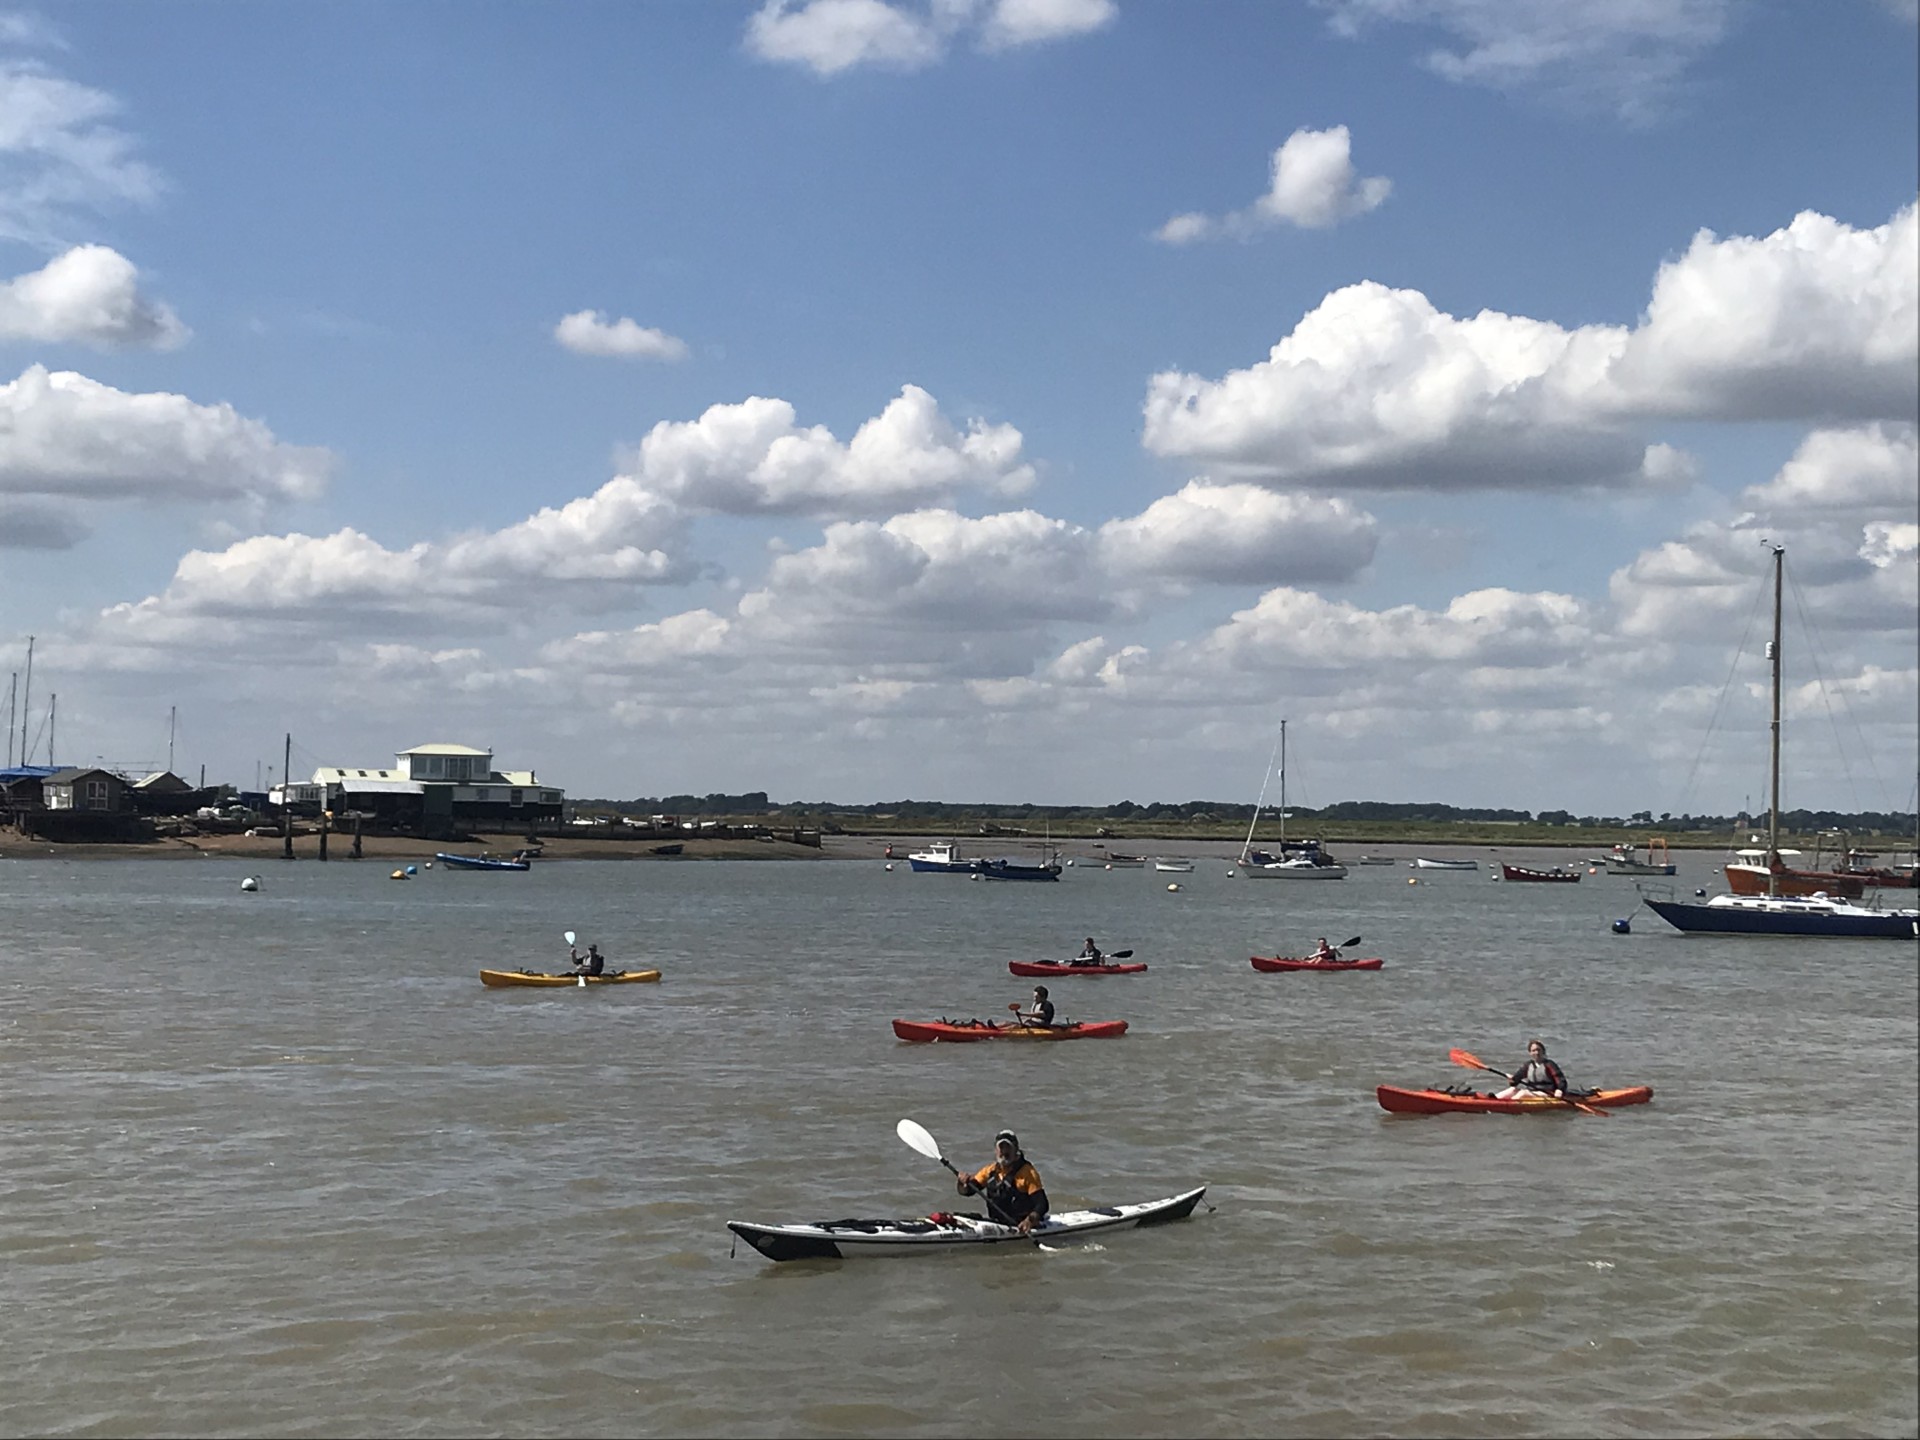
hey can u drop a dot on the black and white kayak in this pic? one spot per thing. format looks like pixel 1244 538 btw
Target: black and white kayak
pixel 853 1239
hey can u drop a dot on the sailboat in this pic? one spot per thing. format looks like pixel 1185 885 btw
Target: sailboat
pixel 1819 915
pixel 1300 860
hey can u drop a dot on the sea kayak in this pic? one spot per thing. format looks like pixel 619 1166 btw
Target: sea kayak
pixel 928 1031
pixel 856 1239
pixel 1441 1102
pixel 1287 962
pixel 499 978
pixel 1041 968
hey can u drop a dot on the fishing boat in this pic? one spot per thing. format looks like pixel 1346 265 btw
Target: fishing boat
pixel 1017 870
pixel 1625 859
pixel 1424 862
pixel 482 862
pixel 1772 912
pixel 1557 875
pixel 1299 860
pixel 942 857
pixel 1758 872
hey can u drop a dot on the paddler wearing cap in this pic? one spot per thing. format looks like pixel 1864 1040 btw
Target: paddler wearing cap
pixel 1011 1185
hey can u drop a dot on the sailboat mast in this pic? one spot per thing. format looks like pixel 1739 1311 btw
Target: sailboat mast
pixel 1283 789
pixel 1773 804
pixel 1257 804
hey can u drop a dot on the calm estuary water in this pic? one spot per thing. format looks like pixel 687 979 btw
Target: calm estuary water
pixel 277 1164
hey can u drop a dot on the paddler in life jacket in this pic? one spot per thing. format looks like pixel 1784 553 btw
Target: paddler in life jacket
pixel 1040 1015
pixel 1089 954
pixel 1010 1185
pixel 1539 1076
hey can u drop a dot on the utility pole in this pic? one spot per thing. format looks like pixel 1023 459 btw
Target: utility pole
pixel 286 801
pixel 52 705
pixel 171 711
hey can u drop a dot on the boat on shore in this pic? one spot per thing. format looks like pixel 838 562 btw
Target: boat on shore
pixel 942 1233
pixel 1774 912
pixel 1424 862
pixel 1558 875
pixel 482 862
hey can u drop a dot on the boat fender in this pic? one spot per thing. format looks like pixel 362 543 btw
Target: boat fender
pixel 1701 893
pixel 1623 926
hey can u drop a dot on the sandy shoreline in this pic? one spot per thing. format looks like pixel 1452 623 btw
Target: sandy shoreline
pixel 14 846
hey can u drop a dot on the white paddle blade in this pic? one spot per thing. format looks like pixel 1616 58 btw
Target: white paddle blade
pixel 570 937
pixel 916 1136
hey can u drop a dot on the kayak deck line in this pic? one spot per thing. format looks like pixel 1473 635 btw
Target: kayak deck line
pixel 943 1233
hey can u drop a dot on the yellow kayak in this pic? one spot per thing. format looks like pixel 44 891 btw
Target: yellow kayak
pixel 499 978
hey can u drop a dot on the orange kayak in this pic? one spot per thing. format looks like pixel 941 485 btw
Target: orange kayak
pixel 1442 1102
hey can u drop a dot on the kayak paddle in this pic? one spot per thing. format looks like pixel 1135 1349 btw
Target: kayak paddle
pixel 918 1138
pixel 569 937
pixel 1474 1062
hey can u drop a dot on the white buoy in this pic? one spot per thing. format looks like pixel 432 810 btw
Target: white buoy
pixel 252 882
pixel 1231 872
pixel 1173 887
pixel 889 864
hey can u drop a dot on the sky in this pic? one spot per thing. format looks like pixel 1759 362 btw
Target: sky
pixel 970 400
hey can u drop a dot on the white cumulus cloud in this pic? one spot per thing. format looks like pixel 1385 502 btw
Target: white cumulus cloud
pixel 589 332
pixel 1241 534
pixel 752 458
pixel 62 434
pixel 1376 387
pixel 91 296
pixel 1313 186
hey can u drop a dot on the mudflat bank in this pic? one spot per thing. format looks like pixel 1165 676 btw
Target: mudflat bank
pixel 265 848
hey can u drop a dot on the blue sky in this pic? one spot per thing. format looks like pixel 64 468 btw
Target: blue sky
pixel 969 399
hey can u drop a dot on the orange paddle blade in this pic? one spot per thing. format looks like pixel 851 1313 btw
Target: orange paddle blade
pixel 1471 1061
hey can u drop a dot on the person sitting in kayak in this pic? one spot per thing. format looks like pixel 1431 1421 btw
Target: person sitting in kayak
pixel 1090 954
pixel 1042 1012
pixel 1324 951
pixel 1010 1185
pixel 1538 1076
pixel 592 963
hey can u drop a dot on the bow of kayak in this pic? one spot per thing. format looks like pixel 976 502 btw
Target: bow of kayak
pixel 1443 1102
pixel 943 1234
pixel 1288 962
pixel 929 1031
pixel 499 979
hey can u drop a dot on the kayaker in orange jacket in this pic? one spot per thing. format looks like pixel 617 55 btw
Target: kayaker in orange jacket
pixel 1010 1185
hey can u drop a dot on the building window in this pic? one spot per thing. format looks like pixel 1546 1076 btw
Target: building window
pixel 515 797
pixel 481 795
pixel 96 794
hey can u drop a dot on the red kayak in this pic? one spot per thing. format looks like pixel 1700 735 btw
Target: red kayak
pixel 1441 1102
pixel 1042 968
pixel 1285 962
pixel 928 1031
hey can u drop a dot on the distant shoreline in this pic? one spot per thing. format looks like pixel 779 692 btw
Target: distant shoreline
pixel 1084 851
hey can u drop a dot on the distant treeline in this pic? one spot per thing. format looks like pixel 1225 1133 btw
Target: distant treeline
pixel 1203 812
